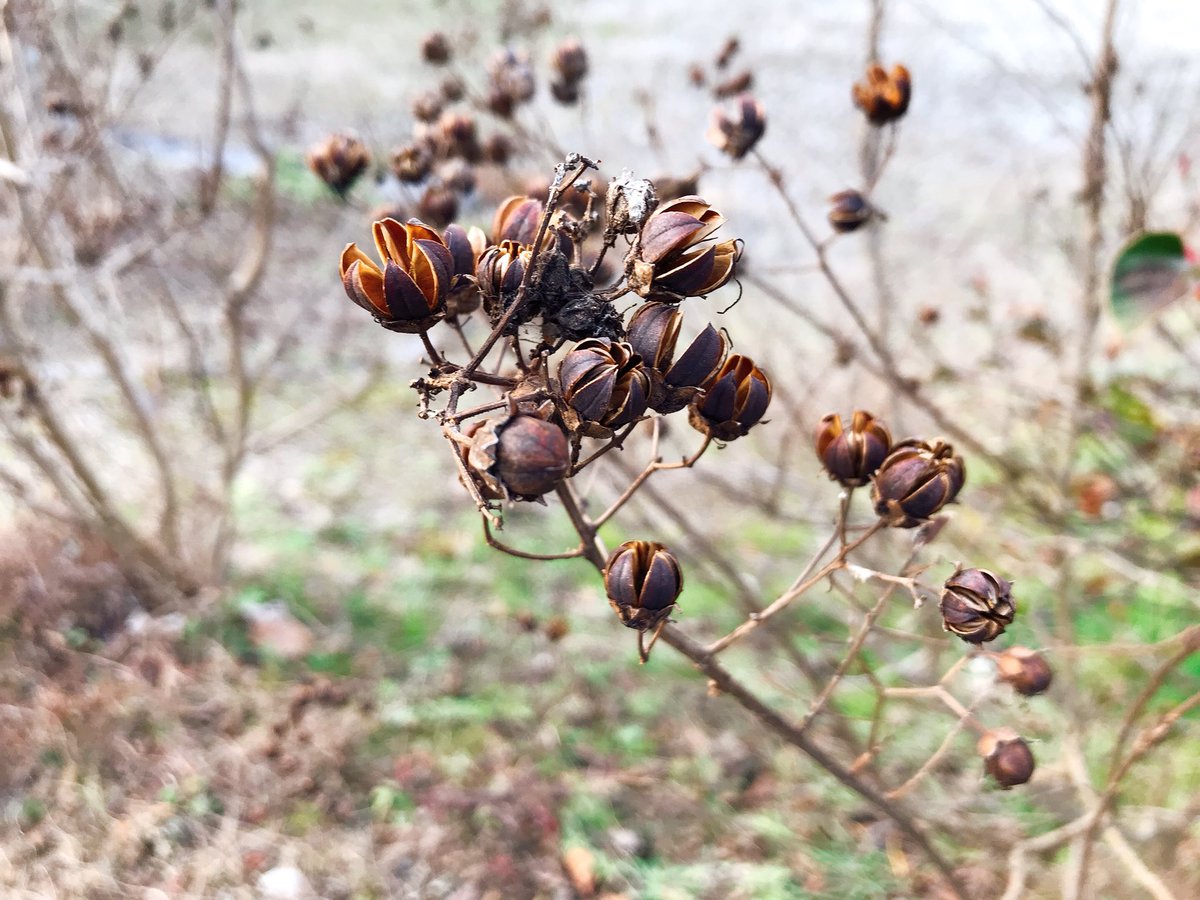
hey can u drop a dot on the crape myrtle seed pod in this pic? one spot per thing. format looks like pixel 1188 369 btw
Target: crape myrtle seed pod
pixel 736 131
pixel 849 211
pixel 465 249
pixel 339 160
pixel 565 92
pixel 412 163
pixel 852 457
pixel 605 382
pixel 457 135
pixel 435 48
pixel 1006 757
pixel 653 333
pixel 976 605
pixel 517 219
pixel 452 89
pixel 733 402
pixel 497 149
pixel 884 96
pixel 915 481
pixel 510 73
pixel 520 457
pixel 676 257
pixel 499 272
pixel 570 61
pixel 499 102
pixel 427 106
pixel 628 202
pixel 1025 669
pixel 438 204
pixel 643 580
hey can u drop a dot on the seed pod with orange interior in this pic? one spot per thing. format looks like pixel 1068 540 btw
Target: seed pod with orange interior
pixel 605 384
pixel 977 605
pixel 339 160
pixel 643 581
pixel 677 258
pixel 499 273
pixel 1006 757
pixel 517 457
pixel 408 292
pixel 736 131
pixel 653 333
pixel 733 402
pixel 852 457
pixel 915 481
pixel 465 249
pixel 884 96
pixel 849 211
pixel 1025 669
pixel 413 162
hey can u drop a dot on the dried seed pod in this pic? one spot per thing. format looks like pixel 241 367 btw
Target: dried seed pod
pixel 465 249
pixel 457 136
pixel 605 382
pixel 339 160
pixel 1006 757
pixel 676 258
pixel 733 402
pixel 977 605
pixel 511 73
pixel 884 96
pixel 435 48
pixel 628 202
pixel 520 457
pixel 735 84
pixel 915 481
pixel 1025 669
pixel 457 175
pixel 427 106
pixel 407 293
pixel 565 92
pixel 849 211
pixel 643 581
pixel 499 272
pixel 499 102
pixel 570 61
pixel 438 204
pixel 497 149
pixel 412 162
pixel 517 219
pixel 653 333
pixel 852 457
pixel 452 89
pixel 735 132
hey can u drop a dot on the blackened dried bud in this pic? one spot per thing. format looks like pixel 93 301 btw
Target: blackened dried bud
pixel 427 106
pixel 499 102
pixel 849 211
pixel 605 382
pixel 643 580
pixel 915 481
pixel 408 291
pixel 565 92
pixel 499 273
pixel 1006 757
pixel 497 149
pixel 520 457
pixel 435 48
pixel 733 402
pixel 570 61
pixel 412 163
pixel 457 136
pixel 735 132
pixel 517 219
pixel 852 457
pixel 976 605
pixel 734 85
pixel 512 74
pixel 1025 669
pixel 439 205
pixel 653 333
pixel 457 175
pixel 884 96
pixel 339 160
pixel 628 203
pixel 676 259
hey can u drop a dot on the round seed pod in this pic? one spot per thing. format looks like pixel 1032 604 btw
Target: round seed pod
pixel 520 457
pixel 1006 757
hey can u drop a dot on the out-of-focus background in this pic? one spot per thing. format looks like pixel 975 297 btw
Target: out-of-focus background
pixel 252 641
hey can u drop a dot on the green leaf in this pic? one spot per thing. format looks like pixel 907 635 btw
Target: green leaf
pixel 1150 273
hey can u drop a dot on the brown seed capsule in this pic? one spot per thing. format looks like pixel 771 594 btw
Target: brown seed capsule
pixel 733 402
pixel 643 580
pixel 435 48
pixel 427 106
pixel 520 457
pixel 734 85
pixel 339 160
pixel 1026 670
pixel 497 149
pixel 465 249
pixel 653 333
pixel 570 61
pixel 565 92
pixel 1006 757
pixel 412 162
pixel 407 293
pixel 735 132
pixel 498 274
pixel 457 175
pixel 849 211
pixel 605 382
pixel 458 136
pixel 517 219
pixel 511 73
pixel 977 605
pixel 499 102
pixel 852 457
pixel 676 258
pixel 438 204
pixel 884 96
pixel 915 481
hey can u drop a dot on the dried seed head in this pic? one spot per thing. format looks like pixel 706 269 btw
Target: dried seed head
pixel 977 605
pixel 427 106
pixel 605 382
pixel 458 136
pixel 733 402
pixel 1006 757
pixel 1025 669
pixel 852 457
pixel 849 211
pixel 499 272
pixel 643 580
pixel 884 96
pixel 677 257
pixel 412 163
pixel 457 175
pixel 517 219
pixel 520 457
pixel 915 481
pixel 628 203
pixel 339 160
pixel 438 204
pixel 653 333
pixel 499 102
pixel 452 89
pixel 736 131
pixel 435 48
pixel 511 73
pixel 497 149
pixel 570 61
